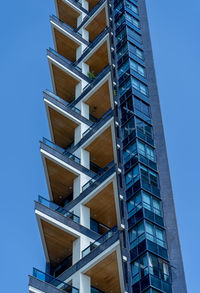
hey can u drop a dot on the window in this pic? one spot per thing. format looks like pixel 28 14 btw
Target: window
pixel 158 267
pixel 136 67
pixel 121 36
pixel 118 8
pixel 132 20
pixel 151 203
pixel 128 128
pixel 134 204
pixel 123 68
pixel 136 51
pixel 127 109
pixel 132 176
pixel 146 151
pixel 155 234
pixel 148 201
pixel 122 52
pixel 139 268
pixel 149 176
pixel 142 109
pixel 150 264
pixel 132 7
pixel 129 152
pixel 120 21
pixel 125 87
pixel 133 36
pixel 143 127
pixel 135 233
pixel 139 86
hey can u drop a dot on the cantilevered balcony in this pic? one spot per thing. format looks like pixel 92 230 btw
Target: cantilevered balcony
pixel 59 229
pixel 100 195
pixel 47 283
pixel 63 119
pixel 68 218
pixel 96 21
pixel 65 76
pixel 98 95
pixel 97 54
pixel 67 30
pixel 102 262
pixel 61 169
pixel 69 11
pixel 66 40
pixel 98 140
pixel 42 282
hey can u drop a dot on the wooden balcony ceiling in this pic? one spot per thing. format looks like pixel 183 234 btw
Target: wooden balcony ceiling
pixel 59 243
pixel 99 102
pixel 67 13
pixel 61 181
pixel 101 149
pixel 65 84
pixel 102 207
pixel 96 26
pixel 92 3
pixel 62 127
pixel 99 59
pixel 65 46
pixel 105 275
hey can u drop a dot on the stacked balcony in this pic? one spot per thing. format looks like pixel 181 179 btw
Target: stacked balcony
pixel 80 222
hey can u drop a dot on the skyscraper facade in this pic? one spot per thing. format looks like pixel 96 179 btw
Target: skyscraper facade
pixel 109 224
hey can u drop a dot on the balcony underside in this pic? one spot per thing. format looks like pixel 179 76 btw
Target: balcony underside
pixel 100 101
pixel 97 25
pixel 65 46
pixel 105 275
pixel 92 3
pixel 64 84
pixel 102 206
pixel 66 13
pixel 60 181
pixel 99 59
pixel 63 128
pixel 101 148
pixel 58 243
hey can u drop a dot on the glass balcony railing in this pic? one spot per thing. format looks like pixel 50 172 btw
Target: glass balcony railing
pixel 99 241
pixel 92 11
pixel 65 60
pixel 98 179
pixel 93 44
pixel 95 290
pixel 63 102
pixel 51 205
pixel 96 125
pixel 61 150
pixel 54 282
pixel 92 84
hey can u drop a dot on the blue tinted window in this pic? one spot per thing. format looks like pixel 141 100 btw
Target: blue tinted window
pixel 137 67
pixel 139 86
pixel 132 7
pixel 132 20
pixel 132 176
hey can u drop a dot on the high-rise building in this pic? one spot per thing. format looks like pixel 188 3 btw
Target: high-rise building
pixel 109 224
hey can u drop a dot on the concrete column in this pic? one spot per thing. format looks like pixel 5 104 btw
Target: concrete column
pixel 82 282
pixel 78 246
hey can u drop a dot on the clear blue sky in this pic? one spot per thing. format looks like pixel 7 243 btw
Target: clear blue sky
pixel 25 34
